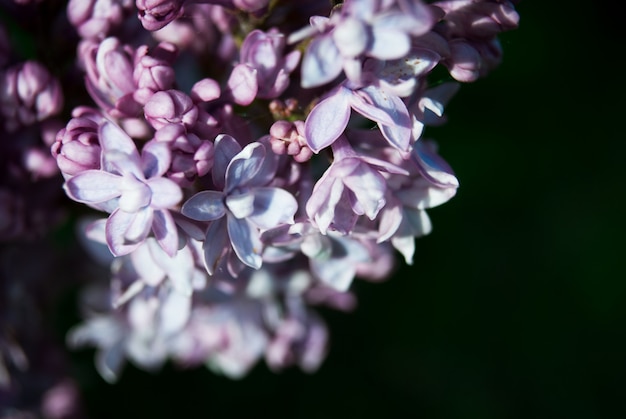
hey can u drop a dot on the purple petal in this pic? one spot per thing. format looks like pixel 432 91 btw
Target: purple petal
pixel 144 264
pixel 385 166
pixel 113 138
pixel 360 102
pixel 240 205
pixel 226 147
pixel 390 220
pixel 245 166
pixel 110 361
pixel 243 84
pixel 174 313
pixel 339 270
pixel 424 195
pixel 389 44
pixel 139 228
pixel 418 221
pixel 205 90
pixel 369 189
pixel 266 173
pixel 93 187
pixel 156 158
pixel 321 205
pixel 405 244
pixel 328 119
pixel 351 37
pixel 205 206
pixel 419 12
pixel 435 99
pixel 215 244
pixel 135 194
pixel 165 193
pixel 398 132
pixel 272 207
pixel 322 62
pixel 117 225
pixel 338 274
pixel 165 231
pixel 345 216
pixel 435 169
pixel 245 240
pixel 180 268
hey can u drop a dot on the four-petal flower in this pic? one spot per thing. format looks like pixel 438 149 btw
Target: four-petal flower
pixel 245 207
pixel 130 186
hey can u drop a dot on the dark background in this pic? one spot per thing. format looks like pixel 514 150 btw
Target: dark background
pixel 516 304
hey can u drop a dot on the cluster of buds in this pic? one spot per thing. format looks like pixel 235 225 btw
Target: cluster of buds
pixel 242 161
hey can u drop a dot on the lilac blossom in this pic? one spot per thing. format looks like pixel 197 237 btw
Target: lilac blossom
pixel 333 256
pixel 362 28
pixel 263 52
pixel 140 331
pixel 230 338
pixel 300 338
pixel 352 186
pixel 132 189
pixel 148 266
pixel 431 183
pixel 246 205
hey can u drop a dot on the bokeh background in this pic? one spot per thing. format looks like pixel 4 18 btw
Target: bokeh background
pixel 516 304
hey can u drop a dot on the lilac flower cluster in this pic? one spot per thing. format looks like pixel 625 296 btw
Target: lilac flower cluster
pixel 244 161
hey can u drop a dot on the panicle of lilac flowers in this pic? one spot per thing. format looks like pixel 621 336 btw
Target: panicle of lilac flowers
pixel 243 162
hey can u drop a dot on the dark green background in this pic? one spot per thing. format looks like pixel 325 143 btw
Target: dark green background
pixel 516 304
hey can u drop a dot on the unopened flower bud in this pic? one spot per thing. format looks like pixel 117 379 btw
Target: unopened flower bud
pixel 77 147
pixel 155 14
pixel 153 71
pixel 28 94
pixel 288 138
pixel 191 156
